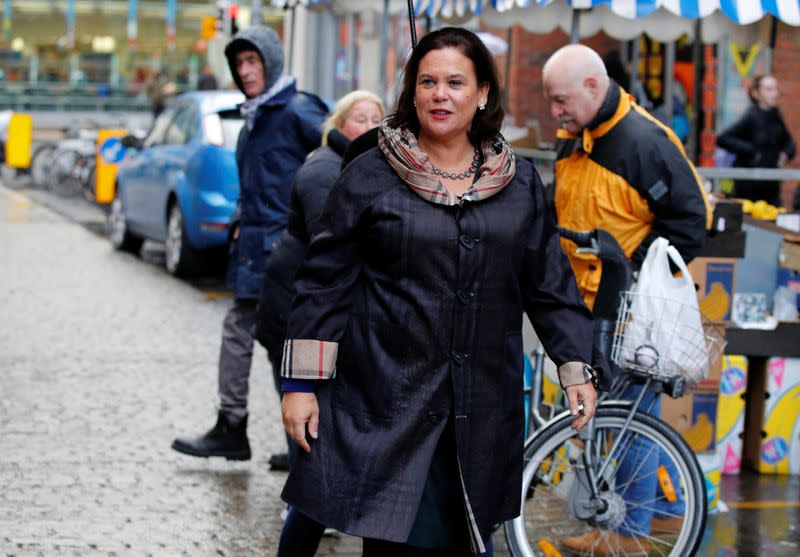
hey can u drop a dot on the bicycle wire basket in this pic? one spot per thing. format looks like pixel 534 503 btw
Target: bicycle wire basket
pixel 652 336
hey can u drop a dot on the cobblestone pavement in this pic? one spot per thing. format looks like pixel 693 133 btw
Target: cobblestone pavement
pixel 105 358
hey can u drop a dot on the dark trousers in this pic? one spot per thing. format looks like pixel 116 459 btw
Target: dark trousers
pixel 300 535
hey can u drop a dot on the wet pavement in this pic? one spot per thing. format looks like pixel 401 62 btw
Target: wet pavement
pixel 105 358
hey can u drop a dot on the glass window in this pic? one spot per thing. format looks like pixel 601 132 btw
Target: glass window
pixel 223 128
pixel 183 127
pixel 156 134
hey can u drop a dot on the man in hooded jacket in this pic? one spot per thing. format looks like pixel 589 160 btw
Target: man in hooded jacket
pixel 282 125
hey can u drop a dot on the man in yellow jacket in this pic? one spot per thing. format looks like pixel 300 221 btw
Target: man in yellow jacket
pixel 620 169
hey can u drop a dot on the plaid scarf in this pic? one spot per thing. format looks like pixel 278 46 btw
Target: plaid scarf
pixel 401 149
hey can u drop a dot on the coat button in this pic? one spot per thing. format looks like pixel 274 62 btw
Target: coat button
pixel 466 296
pixel 459 357
pixel 466 241
pixel 435 416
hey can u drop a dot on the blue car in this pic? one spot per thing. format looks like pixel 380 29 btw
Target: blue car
pixel 181 185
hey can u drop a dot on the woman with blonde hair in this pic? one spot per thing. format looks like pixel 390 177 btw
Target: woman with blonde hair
pixel 354 114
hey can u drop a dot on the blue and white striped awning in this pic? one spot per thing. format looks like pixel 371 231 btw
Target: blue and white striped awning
pixel 741 12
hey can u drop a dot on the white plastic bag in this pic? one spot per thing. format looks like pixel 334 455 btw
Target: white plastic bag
pixel 663 331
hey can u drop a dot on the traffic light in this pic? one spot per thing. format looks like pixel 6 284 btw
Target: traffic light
pixel 233 12
pixel 226 17
pixel 208 27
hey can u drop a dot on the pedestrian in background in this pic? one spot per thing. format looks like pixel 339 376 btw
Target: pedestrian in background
pixel 159 89
pixel 354 114
pixel 282 125
pixel 620 169
pixel 759 139
pixel 402 361
pixel 207 81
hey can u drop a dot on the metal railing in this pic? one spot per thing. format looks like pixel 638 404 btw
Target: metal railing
pixel 715 175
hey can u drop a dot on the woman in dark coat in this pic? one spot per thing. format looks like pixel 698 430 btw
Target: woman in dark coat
pixel 402 359
pixel 759 139
pixel 354 114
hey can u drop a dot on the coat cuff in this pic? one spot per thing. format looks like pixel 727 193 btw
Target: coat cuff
pixel 309 359
pixel 573 373
pixel 298 385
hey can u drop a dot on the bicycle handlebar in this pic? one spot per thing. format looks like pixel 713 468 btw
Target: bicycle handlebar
pixel 581 239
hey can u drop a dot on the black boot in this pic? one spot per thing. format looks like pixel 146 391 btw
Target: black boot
pixel 279 461
pixel 221 440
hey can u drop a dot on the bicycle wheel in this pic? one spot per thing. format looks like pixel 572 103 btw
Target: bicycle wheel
pixel 88 179
pixel 559 517
pixel 40 163
pixel 62 177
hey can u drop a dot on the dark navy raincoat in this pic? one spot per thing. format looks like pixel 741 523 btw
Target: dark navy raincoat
pixel 287 128
pixel 424 303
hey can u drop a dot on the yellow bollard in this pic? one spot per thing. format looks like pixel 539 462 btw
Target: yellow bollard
pixel 18 143
pixel 110 152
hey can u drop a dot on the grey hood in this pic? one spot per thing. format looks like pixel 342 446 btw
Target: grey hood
pixel 266 42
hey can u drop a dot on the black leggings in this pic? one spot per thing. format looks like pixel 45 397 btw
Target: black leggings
pixel 382 548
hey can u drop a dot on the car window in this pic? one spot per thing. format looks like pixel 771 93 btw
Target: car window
pixel 183 127
pixel 222 128
pixel 156 134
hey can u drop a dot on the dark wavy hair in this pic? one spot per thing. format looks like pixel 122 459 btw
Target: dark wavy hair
pixel 486 123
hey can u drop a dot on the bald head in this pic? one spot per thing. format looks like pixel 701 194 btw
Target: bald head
pixel 575 83
pixel 577 62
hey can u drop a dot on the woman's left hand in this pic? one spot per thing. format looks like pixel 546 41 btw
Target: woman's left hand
pixel 299 409
pixel 782 160
pixel 584 394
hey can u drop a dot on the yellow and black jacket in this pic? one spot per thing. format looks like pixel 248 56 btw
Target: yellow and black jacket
pixel 628 174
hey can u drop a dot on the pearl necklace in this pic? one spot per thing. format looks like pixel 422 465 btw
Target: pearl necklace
pixel 476 160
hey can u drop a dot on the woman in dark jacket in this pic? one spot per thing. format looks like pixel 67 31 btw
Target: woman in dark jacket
pixel 354 114
pixel 759 139
pixel 402 353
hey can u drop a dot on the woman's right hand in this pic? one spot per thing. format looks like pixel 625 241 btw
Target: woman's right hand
pixel 299 409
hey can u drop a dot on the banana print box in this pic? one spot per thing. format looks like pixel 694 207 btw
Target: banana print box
pixel 711 465
pixel 730 413
pixel 694 417
pixel 715 280
pixel 780 449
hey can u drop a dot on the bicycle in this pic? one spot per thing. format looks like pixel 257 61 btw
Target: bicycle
pixel 571 480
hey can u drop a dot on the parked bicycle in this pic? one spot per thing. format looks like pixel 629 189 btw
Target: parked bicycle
pixel 66 166
pixel 72 168
pixel 625 461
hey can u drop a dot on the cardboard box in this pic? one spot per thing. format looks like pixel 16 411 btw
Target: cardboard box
pixel 712 382
pixel 712 471
pixel 780 446
pixel 730 413
pixel 790 278
pixel 694 416
pixel 715 281
pixel 789 256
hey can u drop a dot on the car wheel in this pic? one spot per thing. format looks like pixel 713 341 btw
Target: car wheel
pixel 117 226
pixel 181 258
